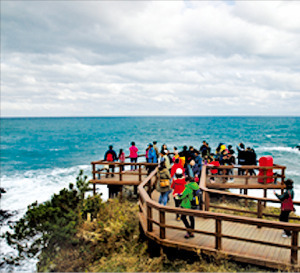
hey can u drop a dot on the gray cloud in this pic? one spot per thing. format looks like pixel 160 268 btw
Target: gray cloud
pixel 71 58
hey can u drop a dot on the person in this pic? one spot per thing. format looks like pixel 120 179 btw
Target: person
pixel 164 157
pixel 286 204
pixel 231 162
pixel 203 149
pixel 156 149
pixel 110 156
pixel 175 152
pixel 151 157
pixel 186 198
pixel 190 154
pixel 176 166
pixel 178 186
pixel 241 157
pixel 215 162
pixel 164 148
pixel 193 170
pixel 133 155
pixel 230 150
pixel 183 156
pixel 163 183
pixel 121 158
pixel 147 151
pixel 250 159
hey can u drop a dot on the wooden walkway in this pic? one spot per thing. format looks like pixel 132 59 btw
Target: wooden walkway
pixel 239 238
pixel 259 254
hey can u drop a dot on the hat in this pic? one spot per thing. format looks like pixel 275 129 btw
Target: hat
pixel 179 171
pixel 289 182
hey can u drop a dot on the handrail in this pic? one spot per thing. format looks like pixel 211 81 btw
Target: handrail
pixel 219 218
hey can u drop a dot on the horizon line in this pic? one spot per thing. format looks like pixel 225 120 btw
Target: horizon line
pixel 154 116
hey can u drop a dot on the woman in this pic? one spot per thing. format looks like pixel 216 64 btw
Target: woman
pixel 133 155
pixel 178 186
pixel 286 204
pixel 163 184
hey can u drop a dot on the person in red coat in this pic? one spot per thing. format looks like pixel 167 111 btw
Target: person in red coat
pixel 215 163
pixel 178 185
pixel 176 166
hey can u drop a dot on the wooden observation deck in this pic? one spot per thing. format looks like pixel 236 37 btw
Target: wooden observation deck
pixel 251 240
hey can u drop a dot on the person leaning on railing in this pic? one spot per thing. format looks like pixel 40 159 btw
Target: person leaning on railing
pixel 286 204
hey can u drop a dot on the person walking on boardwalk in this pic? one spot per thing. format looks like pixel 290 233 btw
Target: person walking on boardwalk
pixel 163 183
pixel 178 186
pixel 133 155
pixel 110 156
pixel 286 204
pixel 151 157
pixel 186 202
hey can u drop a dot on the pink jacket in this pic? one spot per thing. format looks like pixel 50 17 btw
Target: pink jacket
pixel 133 152
pixel 122 157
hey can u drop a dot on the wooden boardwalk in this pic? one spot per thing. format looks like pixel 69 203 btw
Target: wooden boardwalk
pixel 251 240
pixel 259 254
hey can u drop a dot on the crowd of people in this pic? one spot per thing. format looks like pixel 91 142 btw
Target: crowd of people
pixel 179 173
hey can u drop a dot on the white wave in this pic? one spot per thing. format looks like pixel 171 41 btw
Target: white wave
pixel 293 172
pixel 279 149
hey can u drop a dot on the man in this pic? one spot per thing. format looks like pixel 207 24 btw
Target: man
pixel 156 149
pixel 110 156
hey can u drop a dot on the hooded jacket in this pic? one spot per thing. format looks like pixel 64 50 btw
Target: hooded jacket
pixel 187 195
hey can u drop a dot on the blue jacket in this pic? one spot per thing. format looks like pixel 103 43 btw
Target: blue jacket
pixel 152 155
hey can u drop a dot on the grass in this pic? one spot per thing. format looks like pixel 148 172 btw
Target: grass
pixel 112 243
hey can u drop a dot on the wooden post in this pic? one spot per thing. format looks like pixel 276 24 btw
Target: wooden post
pixel 259 211
pixel 149 218
pixel 206 201
pixel 218 234
pixel 282 178
pixel 265 196
pixel 265 174
pixel 94 169
pixel 294 248
pixel 246 200
pixel 120 172
pixel 140 173
pixel 162 222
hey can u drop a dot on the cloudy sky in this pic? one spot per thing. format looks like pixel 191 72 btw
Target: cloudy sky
pixel 115 58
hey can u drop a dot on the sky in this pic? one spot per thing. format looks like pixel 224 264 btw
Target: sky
pixel 136 58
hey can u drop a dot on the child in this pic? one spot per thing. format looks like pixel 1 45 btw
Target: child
pixel 121 158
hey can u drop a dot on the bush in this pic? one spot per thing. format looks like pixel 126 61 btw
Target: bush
pixel 50 224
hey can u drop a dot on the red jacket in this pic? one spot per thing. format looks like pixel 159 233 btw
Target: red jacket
pixel 178 185
pixel 175 167
pixel 214 163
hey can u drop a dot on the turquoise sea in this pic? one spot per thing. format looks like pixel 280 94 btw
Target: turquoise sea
pixel 40 156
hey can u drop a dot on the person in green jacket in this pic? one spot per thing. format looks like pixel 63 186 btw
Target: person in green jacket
pixel 186 198
pixel 287 196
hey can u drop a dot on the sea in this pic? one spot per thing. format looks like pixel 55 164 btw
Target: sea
pixel 41 156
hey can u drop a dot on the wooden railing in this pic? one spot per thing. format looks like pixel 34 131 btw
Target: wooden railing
pixel 118 173
pixel 223 173
pixel 147 206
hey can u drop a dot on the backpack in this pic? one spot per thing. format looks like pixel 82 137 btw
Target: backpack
pixel 109 157
pixel 197 199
